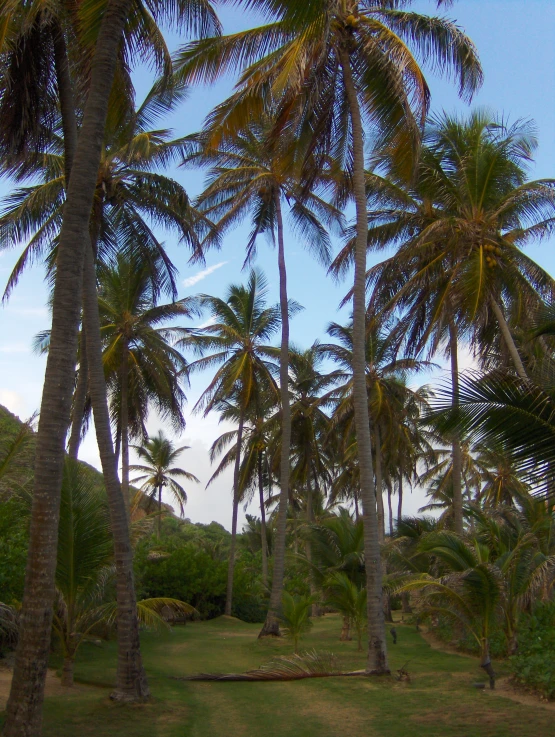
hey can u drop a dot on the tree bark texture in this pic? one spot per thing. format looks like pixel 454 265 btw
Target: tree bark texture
pixel 379 486
pixel 79 399
pixel 271 625
pixel 24 708
pixel 263 532
pixel 131 684
pixel 377 647
pixel 124 421
pixel 509 340
pixel 456 446
pixel 236 498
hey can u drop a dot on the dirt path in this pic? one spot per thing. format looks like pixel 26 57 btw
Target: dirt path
pixel 53 686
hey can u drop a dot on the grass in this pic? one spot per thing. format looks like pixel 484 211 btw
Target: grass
pixel 440 700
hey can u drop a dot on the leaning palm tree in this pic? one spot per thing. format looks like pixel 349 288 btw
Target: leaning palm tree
pixel 158 472
pixel 256 177
pixel 332 67
pixel 236 343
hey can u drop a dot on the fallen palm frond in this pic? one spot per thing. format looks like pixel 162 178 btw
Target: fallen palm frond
pixel 284 668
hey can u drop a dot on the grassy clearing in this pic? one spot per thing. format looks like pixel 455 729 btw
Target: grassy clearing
pixel 440 700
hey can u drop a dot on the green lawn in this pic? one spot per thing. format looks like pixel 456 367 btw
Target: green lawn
pixel 438 702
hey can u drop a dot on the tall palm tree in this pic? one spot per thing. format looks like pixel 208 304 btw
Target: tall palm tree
pixel 386 391
pixel 458 271
pixel 82 160
pixel 254 176
pixel 333 66
pixel 158 472
pixel 141 365
pixel 254 472
pixel 236 342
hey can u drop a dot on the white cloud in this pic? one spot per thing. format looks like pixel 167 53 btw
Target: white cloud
pixel 192 280
pixel 13 401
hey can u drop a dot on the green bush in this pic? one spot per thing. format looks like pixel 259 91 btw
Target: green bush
pixel 13 551
pixel 196 572
pixel 534 664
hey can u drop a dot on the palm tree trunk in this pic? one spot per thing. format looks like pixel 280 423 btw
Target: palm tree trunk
pixel 263 533
pixel 377 647
pixel 159 520
pixel 124 421
pixel 131 684
pixel 357 512
pixel 456 446
pixel 79 399
pixel 315 611
pixel 236 497
pixel 24 708
pixel 271 625
pixel 400 502
pixel 509 340
pixel 69 127
pixel 390 510
pixel 379 486
pixel 67 672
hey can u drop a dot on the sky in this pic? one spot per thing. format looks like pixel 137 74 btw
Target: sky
pixel 516 43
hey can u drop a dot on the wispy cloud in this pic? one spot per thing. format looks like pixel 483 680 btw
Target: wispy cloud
pixel 210 321
pixel 199 276
pixel 41 312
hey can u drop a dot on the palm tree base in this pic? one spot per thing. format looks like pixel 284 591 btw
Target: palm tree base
pixel 138 696
pixel 270 628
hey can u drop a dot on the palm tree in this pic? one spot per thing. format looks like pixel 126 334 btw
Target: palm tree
pixel 236 342
pixel 295 617
pixel 141 365
pixel 254 472
pixel 253 176
pixel 501 410
pixel 344 595
pixel 470 592
pixel 158 472
pixel 386 391
pixel 331 66
pixel 82 159
pixel 458 270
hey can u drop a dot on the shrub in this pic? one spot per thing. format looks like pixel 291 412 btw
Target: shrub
pixel 534 664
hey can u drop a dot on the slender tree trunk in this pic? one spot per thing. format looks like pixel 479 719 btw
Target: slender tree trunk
pixel 79 399
pixel 379 486
pixel 390 510
pixel 263 534
pixel 345 635
pixel 509 340
pixel 400 501
pixel 456 446
pixel 315 611
pixel 236 497
pixel 159 520
pixel 67 672
pixel 377 647
pixel 24 708
pixel 117 449
pixel 357 512
pixel 124 421
pixel 271 625
pixel 131 684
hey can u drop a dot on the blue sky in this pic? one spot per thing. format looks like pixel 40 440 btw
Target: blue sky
pixel 516 42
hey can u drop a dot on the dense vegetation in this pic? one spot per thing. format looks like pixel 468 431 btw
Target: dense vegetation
pixel 330 120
